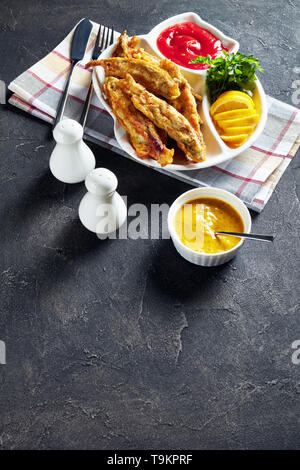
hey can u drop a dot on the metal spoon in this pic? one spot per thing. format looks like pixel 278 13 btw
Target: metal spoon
pixel 251 236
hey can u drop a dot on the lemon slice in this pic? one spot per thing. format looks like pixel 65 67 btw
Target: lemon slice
pixel 239 122
pixel 239 130
pixel 231 100
pixel 234 114
pixel 235 140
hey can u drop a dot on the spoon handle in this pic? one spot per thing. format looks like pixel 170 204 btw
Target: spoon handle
pixel 252 236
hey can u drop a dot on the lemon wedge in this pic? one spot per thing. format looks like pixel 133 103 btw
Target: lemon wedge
pixel 235 140
pixel 234 114
pixel 231 100
pixel 235 117
pixel 239 130
pixel 239 122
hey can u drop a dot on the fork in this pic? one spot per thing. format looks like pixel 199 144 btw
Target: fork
pixel 105 38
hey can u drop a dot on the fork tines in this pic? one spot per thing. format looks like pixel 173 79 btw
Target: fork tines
pixel 107 37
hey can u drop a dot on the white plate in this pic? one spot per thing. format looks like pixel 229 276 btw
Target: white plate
pixel 216 150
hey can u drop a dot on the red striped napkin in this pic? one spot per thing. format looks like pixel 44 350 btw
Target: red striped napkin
pixel 253 175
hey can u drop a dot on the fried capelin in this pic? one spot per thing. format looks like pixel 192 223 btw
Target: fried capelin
pixel 166 117
pixel 125 46
pixel 142 133
pixel 155 79
pixel 197 96
pixel 143 55
pixel 133 42
pixel 185 103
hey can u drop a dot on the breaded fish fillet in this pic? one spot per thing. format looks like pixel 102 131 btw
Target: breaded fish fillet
pixel 124 46
pixel 144 55
pixel 133 42
pixel 142 132
pixel 185 103
pixel 166 117
pixel 151 76
pixel 122 49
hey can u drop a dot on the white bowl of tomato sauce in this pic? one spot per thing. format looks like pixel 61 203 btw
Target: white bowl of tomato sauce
pixel 196 215
pixel 184 37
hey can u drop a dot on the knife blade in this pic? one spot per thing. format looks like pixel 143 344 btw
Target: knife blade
pixel 80 39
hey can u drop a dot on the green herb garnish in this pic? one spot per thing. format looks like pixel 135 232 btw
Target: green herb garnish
pixel 233 71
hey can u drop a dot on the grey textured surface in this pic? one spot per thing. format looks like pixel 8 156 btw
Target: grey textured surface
pixel 123 344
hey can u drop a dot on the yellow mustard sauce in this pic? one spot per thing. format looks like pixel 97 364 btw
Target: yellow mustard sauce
pixel 198 219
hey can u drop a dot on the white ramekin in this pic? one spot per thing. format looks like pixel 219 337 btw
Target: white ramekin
pixel 205 259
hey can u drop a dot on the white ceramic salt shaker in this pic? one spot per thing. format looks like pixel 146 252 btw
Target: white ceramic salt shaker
pixel 102 210
pixel 71 159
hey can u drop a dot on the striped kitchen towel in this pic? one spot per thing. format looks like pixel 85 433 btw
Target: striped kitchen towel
pixel 253 175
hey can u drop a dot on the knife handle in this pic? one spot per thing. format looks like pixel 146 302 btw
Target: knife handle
pixel 86 106
pixel 62 103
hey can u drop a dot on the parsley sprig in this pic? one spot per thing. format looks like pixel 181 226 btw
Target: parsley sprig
pixel 232 71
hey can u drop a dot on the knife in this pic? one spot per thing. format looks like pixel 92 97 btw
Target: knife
pixel 80 38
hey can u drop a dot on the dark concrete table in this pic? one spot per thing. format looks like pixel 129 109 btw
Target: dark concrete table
pixel 123 344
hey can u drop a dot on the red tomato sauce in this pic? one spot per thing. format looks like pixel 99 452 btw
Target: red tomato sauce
pixel 183 42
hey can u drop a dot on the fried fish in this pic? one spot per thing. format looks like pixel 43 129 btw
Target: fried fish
pixel 166 117
pixel 155 79
pixel 133 43
pixel 144 55
pixel 142 133
pixel 122 49
pixel 185 103
pixel 125 46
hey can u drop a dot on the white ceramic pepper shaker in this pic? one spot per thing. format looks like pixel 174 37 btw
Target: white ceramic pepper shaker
pixel 102 210
pixel 71 159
